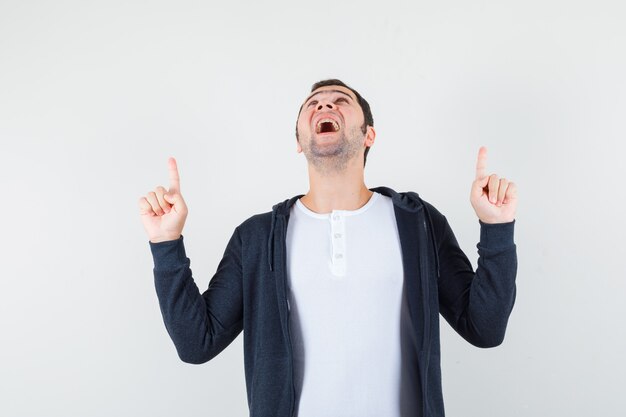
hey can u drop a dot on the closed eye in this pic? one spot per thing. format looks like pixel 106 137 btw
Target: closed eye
pixel 314 102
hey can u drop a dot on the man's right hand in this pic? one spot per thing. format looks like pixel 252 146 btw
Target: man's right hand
pixel 163 213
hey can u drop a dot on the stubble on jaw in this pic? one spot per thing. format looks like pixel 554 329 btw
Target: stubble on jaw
pixel 334 158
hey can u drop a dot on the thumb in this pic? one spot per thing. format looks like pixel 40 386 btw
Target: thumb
pixel 176 200
pixel 479 185
pixel 482 182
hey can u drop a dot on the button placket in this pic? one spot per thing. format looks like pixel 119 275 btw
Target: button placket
pixel 338 243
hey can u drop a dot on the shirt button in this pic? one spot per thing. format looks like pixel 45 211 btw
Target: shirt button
pixel 336 217
pixel 338 255
pixel 337 235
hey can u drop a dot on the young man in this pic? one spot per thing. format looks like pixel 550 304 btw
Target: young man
pixel 339 291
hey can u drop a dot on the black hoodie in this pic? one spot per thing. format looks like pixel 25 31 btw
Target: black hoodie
pixel 249 292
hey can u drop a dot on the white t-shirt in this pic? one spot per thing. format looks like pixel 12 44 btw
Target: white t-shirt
pixel 353 342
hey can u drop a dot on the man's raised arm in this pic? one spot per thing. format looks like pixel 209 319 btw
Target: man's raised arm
pixel 200 325
pixel 478 304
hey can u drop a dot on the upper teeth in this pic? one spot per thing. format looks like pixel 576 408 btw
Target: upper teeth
pixel 319 124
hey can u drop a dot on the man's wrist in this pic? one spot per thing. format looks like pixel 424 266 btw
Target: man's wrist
pixel 496 235
pixel 168 254
pixel 165 239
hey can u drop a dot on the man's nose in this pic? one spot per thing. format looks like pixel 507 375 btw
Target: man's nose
pixel 326 105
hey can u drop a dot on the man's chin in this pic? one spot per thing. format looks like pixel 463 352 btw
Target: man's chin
pixel 331 151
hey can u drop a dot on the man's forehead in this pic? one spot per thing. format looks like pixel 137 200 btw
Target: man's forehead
pixel 332 89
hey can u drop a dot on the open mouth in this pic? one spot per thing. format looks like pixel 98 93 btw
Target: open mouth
pixel 327 126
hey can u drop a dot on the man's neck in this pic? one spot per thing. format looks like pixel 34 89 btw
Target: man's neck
pixel 342 190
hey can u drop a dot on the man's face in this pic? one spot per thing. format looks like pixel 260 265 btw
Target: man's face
pixel 330 127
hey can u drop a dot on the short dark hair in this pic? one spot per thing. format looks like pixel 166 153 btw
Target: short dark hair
pixel 367 112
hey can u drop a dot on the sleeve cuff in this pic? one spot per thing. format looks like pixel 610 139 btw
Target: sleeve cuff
pixel 496 235
pixel 169 254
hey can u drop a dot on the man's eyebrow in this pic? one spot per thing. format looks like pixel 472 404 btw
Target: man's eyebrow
pixel 332 91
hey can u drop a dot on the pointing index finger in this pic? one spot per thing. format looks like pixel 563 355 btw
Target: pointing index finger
pixel 173 170
pixel 481 163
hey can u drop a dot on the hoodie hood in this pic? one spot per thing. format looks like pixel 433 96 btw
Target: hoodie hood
pixel 279 210
pixel 409 201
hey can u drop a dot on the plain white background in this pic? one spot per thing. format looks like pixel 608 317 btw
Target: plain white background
pixel 94 96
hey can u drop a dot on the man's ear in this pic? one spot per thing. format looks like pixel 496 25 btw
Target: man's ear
pixel 370 135
pixel 298 147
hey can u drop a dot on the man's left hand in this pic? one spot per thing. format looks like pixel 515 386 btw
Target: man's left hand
pixel 494 199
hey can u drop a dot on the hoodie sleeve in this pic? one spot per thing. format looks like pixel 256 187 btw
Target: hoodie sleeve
pixel 200 325
pixel 477 304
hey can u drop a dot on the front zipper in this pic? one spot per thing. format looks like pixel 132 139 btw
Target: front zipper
pixel 284 238
pixel 426 291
